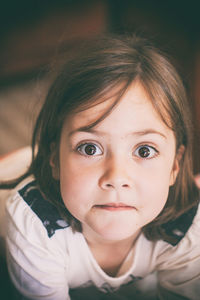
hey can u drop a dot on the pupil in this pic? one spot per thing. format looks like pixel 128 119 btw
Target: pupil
pixel 144 152
pixel 90 149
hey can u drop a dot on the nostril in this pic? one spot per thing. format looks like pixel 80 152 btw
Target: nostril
pixel 125 185
pixel 109 185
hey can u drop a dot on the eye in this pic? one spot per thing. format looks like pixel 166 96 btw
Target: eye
pixel 89 149
pixel 146 151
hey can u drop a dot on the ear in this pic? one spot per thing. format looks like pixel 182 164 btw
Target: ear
pixel 176 165
pixel 197 180
pixel 54 162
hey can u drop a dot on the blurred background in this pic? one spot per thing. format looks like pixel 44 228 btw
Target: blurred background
pixel 34 34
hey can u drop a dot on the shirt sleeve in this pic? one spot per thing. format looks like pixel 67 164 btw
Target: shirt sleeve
pixel 37 264
pixel 179 266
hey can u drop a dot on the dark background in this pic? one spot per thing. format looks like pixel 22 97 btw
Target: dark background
pixel 33 33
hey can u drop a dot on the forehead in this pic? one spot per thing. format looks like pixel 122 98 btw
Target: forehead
pixel 134 107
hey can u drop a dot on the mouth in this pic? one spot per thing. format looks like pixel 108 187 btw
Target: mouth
pixel 115 206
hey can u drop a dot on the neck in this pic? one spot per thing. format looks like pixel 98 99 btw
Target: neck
pixel 95 240
pixel 110 255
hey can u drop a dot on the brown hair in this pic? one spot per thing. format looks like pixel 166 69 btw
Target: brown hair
pixel 111 62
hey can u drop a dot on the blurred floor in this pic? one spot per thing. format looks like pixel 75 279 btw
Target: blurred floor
pixel 19 106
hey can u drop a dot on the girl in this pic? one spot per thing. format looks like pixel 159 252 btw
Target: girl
pixel 109 198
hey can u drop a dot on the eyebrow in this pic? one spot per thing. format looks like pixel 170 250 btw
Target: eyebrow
pixel 135 133
pixel 85 129
pixel 149 131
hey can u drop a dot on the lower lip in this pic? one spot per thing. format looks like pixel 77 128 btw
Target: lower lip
pixel 114 208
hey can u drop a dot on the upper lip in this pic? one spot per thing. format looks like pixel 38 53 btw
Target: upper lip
pixel 115 204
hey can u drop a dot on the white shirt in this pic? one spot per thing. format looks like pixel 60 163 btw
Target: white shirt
pixel 47 260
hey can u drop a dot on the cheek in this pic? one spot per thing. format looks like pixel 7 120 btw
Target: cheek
pixel 76 185
pixel 154 200
pixel 74 177
pixel 159 174
pixel 155 196
pixel 155 187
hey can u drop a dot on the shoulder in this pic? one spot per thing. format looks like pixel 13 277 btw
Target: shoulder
pixel 177 229
pixel 38 243
pixel 27 202
pixel 178 266
pixel 185 251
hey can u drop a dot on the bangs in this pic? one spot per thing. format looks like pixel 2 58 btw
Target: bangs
pixel 169 101
pixel 113 92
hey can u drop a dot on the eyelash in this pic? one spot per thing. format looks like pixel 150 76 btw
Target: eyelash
pixel 78 148
pixel 156 152
pixel 95 147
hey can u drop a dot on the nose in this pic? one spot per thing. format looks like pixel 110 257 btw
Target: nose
pixel 115 176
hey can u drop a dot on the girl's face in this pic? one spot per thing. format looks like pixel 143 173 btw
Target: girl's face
pixel 115 177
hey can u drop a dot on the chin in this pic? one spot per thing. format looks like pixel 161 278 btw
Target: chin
pixel 117 234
